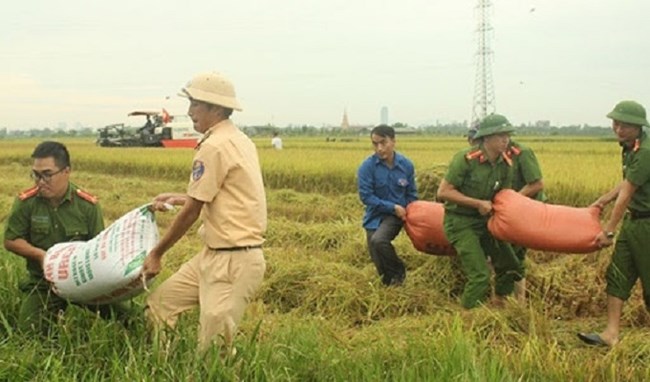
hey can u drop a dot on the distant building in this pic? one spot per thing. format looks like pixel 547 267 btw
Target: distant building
pixel 543 124
pixel 402 129
pixel 384 115
pixel 345 125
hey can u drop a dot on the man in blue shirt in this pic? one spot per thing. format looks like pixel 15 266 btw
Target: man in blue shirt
pixel 386 183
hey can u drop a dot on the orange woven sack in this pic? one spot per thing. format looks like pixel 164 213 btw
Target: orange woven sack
pixel 424 226
pixel 546 227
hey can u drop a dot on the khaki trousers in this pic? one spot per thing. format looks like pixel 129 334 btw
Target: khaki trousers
pixel 221 283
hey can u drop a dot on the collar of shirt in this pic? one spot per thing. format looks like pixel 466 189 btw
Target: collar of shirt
pixel 484 156
pixel 224 125
pixel 500 158
pixel 67 196
pixel 398 161
pixel 636 144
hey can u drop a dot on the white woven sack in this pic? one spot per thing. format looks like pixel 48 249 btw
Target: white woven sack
pixel 107 268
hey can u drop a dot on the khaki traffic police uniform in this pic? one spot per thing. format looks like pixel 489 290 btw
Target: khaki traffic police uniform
pixel 472 174
pixel 223 278
pixel 526 170
pixel 631 258
pixel 35 220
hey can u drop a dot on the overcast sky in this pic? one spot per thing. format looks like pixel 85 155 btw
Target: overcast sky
pixel 305 61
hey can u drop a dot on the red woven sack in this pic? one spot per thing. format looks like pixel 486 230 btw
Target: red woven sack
pixel 424 226
pixel 546 227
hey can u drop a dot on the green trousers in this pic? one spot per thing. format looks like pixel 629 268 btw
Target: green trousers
pixel 520 252
pixel 473 243
pixel 630 261
pixel 41 308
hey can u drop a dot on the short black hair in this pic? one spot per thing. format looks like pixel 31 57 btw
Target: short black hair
pixel 383 131
pixel 227 112
pixel 56 150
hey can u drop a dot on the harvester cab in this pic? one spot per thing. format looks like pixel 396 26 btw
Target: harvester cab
pixel 151 134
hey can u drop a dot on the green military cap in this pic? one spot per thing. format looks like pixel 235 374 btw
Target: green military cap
pixel 493 124
pixel 629 112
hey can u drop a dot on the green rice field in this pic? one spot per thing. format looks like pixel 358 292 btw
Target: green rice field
pixel 322 313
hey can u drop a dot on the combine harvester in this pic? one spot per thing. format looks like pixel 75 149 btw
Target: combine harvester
pixel 159 130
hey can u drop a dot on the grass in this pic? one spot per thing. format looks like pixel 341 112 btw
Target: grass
pixel 321 313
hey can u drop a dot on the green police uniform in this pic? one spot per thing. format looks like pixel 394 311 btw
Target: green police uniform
pixel 526 170
pixel 525 167
pixel 33 219
pixel 473 175
pixel 631 259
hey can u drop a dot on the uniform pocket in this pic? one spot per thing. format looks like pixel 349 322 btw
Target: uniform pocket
pixel 76 232
pixel 402 183
pixel 381 188
pixel 40 229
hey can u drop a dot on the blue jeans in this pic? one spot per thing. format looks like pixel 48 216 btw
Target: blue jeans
pixel 390 267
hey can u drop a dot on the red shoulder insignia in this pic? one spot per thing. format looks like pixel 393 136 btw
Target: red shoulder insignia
pixel 86 196
pixel 514 150
pixel 637 143
pixel 507 158
pixel 473 154
pixel 476 154
pixel 28 193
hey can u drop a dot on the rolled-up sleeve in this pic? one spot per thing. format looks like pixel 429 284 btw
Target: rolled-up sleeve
pixel 17 226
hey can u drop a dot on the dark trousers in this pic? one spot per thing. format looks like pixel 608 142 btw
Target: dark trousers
pixel 40 308
pixel 390 267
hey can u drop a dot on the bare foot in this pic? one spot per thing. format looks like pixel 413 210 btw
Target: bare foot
pixel 520 291
pixel 498 301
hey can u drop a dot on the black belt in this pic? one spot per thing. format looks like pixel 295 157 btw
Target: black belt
pixel 639 214
pixel 233 249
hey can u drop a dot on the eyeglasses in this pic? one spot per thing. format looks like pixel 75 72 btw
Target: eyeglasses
pixel 44 176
